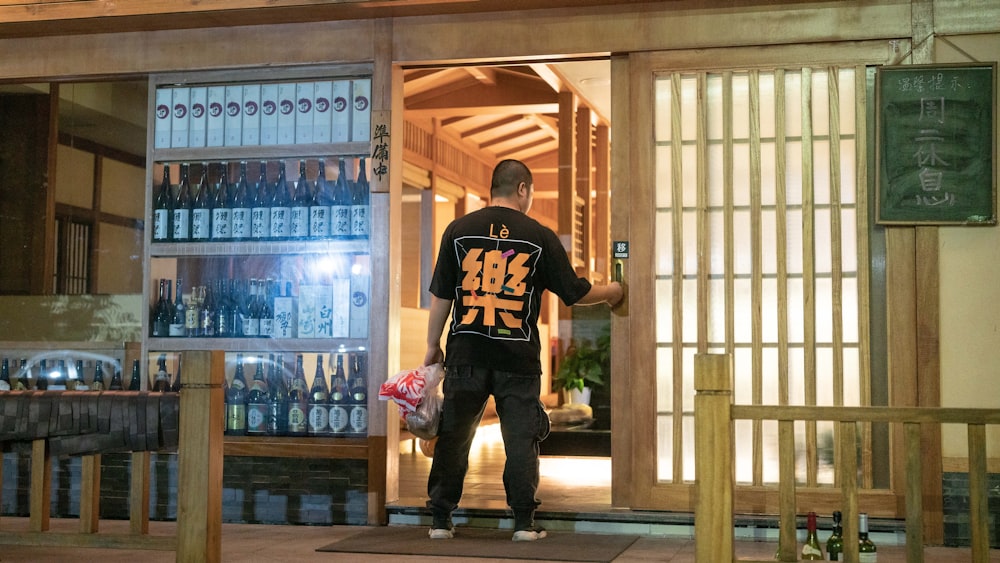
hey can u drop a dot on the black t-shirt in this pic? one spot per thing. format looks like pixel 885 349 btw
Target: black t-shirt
pixel 494 265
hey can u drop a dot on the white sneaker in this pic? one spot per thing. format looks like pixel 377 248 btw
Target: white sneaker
pixel 532 534
pixel 441 533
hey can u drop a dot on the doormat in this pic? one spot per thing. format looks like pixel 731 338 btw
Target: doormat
pixel 486 543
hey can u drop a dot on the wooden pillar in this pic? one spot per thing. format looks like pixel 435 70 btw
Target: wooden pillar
pixel 199 459
pixel 138 498
pixel 849 487
pixel 386 248
pixel 584 183
pixel 40 497
pixel 90 493
pixel 567 171
pixel 601 233
pixel 714 458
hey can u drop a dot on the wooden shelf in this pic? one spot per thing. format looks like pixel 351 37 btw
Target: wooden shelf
pixel 262 152
pixel 302 447
pixel 269 345
pixel 255 248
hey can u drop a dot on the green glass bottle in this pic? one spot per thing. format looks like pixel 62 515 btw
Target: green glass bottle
pixel 866 548
pixel 236 402
pixel 835 544
pixel 811 550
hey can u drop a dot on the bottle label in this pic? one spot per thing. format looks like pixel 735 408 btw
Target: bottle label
pixel 251 326
pixel 256 418
pixel 161 220
pixel 266 328
pixel 359 221
pixel 222 225
pixel 236 417
pixel 276 423
pixel 182 219
pixel 279 222
pixel 176 329
pixel 870 557
pixel 241 223
pixel 191 321
pixel 339 419
pixel 340 221
pixel 318 423
pixel 260 222
pixel 359 419
pixel 296 419
pixel 810 551
pixel 319 221
pixel 201 221
pixel 299 226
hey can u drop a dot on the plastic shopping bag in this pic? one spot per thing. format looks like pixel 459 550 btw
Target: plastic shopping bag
pixel 418 394
pixel 423 422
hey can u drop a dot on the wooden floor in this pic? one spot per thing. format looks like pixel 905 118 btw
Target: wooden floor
pixel 570 484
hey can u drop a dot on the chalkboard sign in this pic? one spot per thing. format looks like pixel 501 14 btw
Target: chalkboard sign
pixel 936 129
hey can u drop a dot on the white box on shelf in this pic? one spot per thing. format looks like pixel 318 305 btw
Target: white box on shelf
pixel 340 128
pixel 286 317
pixel 269 114
pixel 286 113
pixel 179 99
pixel 361 114
pixel 198 111
pixel 360 304
pixel 251 115
pixel 304 112
pixel 341 318
pixel 322 96
pixel 315 311
pixel 234 116
pixel 161 127
pixel 215 122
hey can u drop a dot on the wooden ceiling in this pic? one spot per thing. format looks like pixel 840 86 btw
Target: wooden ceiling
pixel 499 112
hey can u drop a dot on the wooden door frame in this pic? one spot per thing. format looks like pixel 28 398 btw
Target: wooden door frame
pixel 911 306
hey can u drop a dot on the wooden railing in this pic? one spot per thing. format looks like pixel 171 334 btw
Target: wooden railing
pixel 715 464
pixel 199 512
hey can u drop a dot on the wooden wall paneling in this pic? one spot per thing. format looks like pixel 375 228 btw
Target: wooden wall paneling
pixel 134 54
pixel 781 230
pixel 928 374
pixel 637 473
pixel 26 199
pixel 703 242
pixel 602 185
pixel 567 172
pixel 677 271
pixel 625 170
pixel 584 181
pixel 864 263
pixel 808 269
pixel 663 26
pixel 900 273
pixel 757 269
pixel 383 432
pixel 836 236
pixel 47 269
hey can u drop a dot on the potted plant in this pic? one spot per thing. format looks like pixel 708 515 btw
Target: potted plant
pixel 584 367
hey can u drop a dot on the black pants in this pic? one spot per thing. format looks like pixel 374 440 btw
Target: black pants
pixel 523 423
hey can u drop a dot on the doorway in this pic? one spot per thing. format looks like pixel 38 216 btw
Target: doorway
pixel 458 122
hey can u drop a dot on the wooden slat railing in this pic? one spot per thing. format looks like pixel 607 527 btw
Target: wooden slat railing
pixel 715 464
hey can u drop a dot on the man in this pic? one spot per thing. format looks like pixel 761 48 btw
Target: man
pixel 492 268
